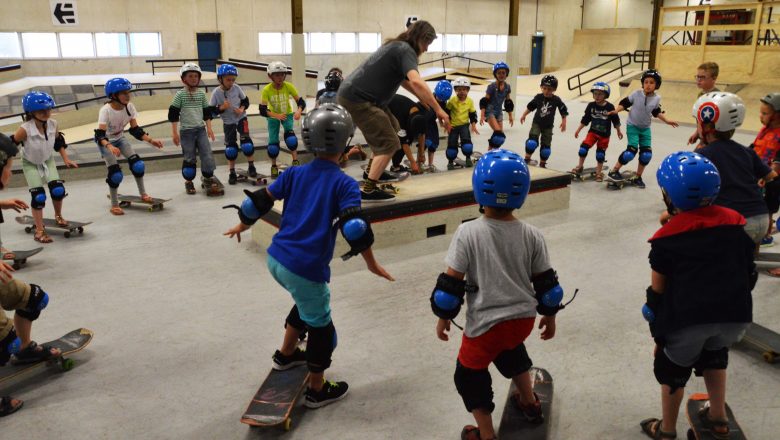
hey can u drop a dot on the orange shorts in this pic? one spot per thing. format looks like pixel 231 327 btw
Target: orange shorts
pixel 477 353
pixel 601 142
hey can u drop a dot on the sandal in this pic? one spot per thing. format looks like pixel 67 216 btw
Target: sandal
pixel 771 272
pixel 41 236
pixel 35 353
pixel 7 255
pixel 652 427
pixel 471 432
pixel 60 221
pixel 718 428
pixel 7 406
pixel 116 210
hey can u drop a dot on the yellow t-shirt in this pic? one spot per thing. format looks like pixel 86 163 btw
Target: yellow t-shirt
pixel 459 110
pixel 278 100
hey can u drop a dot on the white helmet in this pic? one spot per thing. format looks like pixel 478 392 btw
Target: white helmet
pixel 190 67
pixel 276 67
pixel 772 100
pixel 461 82
pixel 725 110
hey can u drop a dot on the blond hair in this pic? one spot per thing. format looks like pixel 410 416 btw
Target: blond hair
pixel 711 68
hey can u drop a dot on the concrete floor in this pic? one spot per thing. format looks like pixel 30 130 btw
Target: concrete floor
pixel 186 321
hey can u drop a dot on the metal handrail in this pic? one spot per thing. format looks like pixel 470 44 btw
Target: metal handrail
pixel 10 67
pixel 179 62
pixel 310 73
pixel 622 66
pixel 449 57
pixel 76 104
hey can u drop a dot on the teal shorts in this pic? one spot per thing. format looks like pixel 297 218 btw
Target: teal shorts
pixel 639 137
pixel 312 298
pixel 273 128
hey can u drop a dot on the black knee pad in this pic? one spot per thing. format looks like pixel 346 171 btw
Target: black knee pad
pixel 37 197
pixel 322 342
pixel 114 177
pixel 512 362
pixel 137 166
pixel 294 320
pixel 669 373
pixel 57 189
pixel 712 360
pixel 38 301
pixel 475 388
pixel 291 140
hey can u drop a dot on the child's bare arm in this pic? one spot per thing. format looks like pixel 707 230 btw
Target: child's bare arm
pixel 374 266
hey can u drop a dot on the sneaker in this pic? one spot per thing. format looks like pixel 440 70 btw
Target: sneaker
pixel 296 162
pixel 375 196
pixel 454 166
pixel 532 411
pixel 274 171
pixel 399 169
pixel 232 177
pixel 614 176
pixel 768 241
pixel 638 182
pixel 282 362
pixel 252 171
pixel 330 392
pixel 385 177
pixel 469 163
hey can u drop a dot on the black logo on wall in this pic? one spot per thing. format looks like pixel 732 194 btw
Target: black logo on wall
pixel 64 13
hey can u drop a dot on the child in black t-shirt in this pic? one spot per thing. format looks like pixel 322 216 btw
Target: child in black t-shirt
pixel 544 104
pixel 601 122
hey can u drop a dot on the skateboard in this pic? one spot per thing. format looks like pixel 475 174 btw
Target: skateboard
pixel 763 339
pixel 586 173
pixel 70 229
pixel 394 177
pixel 259 179
pixel 68 344
pixel 387 187
pixel 155 205
pixel 475 156
pixel 218 191
pixel 274 401
pixel 697 430
pixel 617 185
pixel 768 257
pixel 514 425
pixel 20 257
pixel 424 168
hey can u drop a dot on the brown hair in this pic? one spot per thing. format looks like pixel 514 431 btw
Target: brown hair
pixel 719 135
pixel 419 32
pixel 711 68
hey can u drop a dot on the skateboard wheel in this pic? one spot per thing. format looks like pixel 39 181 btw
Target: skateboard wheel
pixel 768 355
pixel 16 265
pixel 265 181
pixel 28 229
pixel 67 234
pixel 67 364
pixel 287 424
pixel 81 230
pixel 691 435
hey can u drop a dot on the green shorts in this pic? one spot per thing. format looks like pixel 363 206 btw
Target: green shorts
pixel 639 137
pixel 38 176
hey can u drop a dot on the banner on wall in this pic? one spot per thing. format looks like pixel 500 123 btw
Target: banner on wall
pixel 64 12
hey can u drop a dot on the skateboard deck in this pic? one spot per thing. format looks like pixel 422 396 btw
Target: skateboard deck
pixel 617 185
pixel 72 227
pixel 69 343
pixel 258 180
pixel 20 257
pixel 423 168
pixel 395 177
pixel 514 425
pixel 697 430
pixel 763 339
pixel 773 257
pixel 474 158
pixel 155 205
pixel 276 397
pixel 219 191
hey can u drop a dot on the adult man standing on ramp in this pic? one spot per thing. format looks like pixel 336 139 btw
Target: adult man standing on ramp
pixel 368 90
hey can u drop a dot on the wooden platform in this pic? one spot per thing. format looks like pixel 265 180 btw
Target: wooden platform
pixel 434 204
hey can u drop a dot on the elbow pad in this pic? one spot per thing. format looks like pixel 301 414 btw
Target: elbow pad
pixel 548 293
pixel 447 296
pixel 59 142
pixel 356 229
pixel 263 110
pixel 99 136
pixel 656 111
pixel 14 140
pixel 473 117
pixel 255 205
pixel 509 105
pixel 625 103
pixel 245 103
pixel 483 103
pixel 137 132
pixel 173 114
pixel 301 103
pixel 208 113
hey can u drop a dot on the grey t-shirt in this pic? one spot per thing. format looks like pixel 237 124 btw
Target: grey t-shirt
pixel 642 106
pixel 234 95
pixel 499 257
pixel 378 78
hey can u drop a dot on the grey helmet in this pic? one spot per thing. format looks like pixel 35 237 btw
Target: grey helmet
pixel 772 100
pixel 327 129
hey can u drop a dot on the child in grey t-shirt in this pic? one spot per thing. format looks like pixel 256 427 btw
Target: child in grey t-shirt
pixel 500 265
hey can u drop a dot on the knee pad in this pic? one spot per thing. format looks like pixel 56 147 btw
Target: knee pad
pixel 37 197
pixel 545 152
pixel 601 156
pixel 512 362
pixel 231 152
pixel 430 146
pixel 530 146
pixel 57 190
pixel 294 320
pixel 247 147
pixel 137 166
pixel 475 388
pixel 273 151
pixel 188 170
pixel 451 153
pixel 712 360
pixel 497 139
pixel 37 302
pixel 583 151
pixel 627 156
pixel 322 342
pixel 291 140
pixel 669 373
pixel 467 149
pixel 114 177
pixel 645 154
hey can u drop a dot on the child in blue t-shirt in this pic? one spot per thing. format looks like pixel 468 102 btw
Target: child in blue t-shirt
pixel 319 200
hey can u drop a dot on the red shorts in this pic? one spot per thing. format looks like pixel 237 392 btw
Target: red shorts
pixel 601 142
pixel 477 353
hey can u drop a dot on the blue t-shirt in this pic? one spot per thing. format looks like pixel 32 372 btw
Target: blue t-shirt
pixel 314 194
pixel 739 168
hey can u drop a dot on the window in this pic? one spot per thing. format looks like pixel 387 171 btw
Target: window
pixel 345 42
pixel 489 43
pixel 76 45
pixel 9 45
pixel 471 43
pixel 288 43
pixel 145 44
pixel 40 45
pixel 320 42
pixel 368 42
pixel 436 46
pixel 111 45
pixel 271 43
pixel 453 42
pixel 501 43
